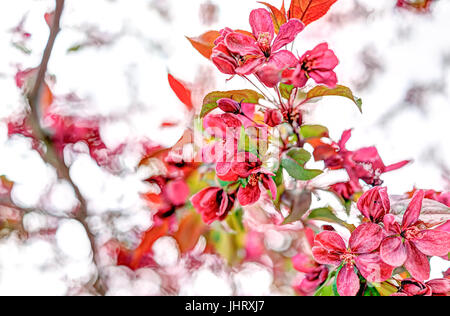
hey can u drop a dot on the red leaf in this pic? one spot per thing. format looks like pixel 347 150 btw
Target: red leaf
pixel 167 124
pixel 204 43
pixel 278 15
pixel 149 238
pixel 419 6
pixel 190 229
pixel 183 93
pixel 309 10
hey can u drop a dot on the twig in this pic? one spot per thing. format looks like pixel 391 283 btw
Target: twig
pixel 50 155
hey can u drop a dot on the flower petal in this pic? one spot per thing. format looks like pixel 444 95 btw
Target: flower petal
pixel 372 268
pixel 366 238
pixel 299 77
pixel 323 256
pixel 303 263
pixel 250 66
pixel 391 225
pixel 439 286
pixel 249 195
pixel 417 263
pixel 245 164
pixel 177 192
pixel 396 166
pixel 224 172
pixel 374 204
pixel 282 59
pixel 344 138
pixel 261 22
pixel 270 184
pixel 393 251
pixel 331 241
pixel 242 44
pixel 287 34
pixel 433 243
pixel 326 77
pixel 413 211
pixel 347 281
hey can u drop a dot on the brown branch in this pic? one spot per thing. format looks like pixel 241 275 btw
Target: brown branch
pixel 50 155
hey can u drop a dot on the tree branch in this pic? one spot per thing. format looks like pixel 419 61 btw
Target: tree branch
pixel 50 155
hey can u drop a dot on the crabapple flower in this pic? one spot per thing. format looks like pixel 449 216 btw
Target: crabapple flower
pixel 361 253
pixel 248 166
pixel 213 204
pixel 174 194
pixel 263 47
pixel 436 287
pixel 273 117
pixel 365 164
pixel 315 274
pixel 318 64
pixel 374 204
pixel 251 193
pixel 409 245
pixel 369 165
pixel 236 115
pixel 346 189
pixel 221 125
pixel 222 57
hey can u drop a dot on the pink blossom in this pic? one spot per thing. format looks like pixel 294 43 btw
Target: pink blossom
pixel 248 166
pixel 213 204
pixel 363 164
pixel 374 204
pixel 409 245
pixel 314 274
pixel 262 48
pixel 273 117
pixel 412 287
pixel 317 64
pixel 330 248
pixel 222 57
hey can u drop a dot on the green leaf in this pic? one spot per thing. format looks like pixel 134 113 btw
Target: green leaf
pixel 246 96
pixel 286 90
pixel 299 172
pixel 74 48
pixel 326 214
pixel 385 288
pixel 325 291
pixel 300 155
pixel 308 131
pixel 321 91
pixel 371 291
pixel 279 177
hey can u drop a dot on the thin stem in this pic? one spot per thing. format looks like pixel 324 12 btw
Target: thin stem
pixel 279 98
pixel 253 84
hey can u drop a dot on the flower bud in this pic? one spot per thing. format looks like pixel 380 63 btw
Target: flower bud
pixel 229 105
pixel 273 118
pixel 374 204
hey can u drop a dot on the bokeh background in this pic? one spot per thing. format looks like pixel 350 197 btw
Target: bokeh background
pixel 111 61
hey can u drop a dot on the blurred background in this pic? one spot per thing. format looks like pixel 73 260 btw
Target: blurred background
pixel 110 62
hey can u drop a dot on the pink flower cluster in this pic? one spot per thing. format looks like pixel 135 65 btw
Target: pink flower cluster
pixel 377 247
pixel 261 53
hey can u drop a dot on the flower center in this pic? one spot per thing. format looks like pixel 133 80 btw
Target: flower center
pixel 253 179
pixel 308 65
pixel 348 258
pixel 264 43
pixel 412 233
